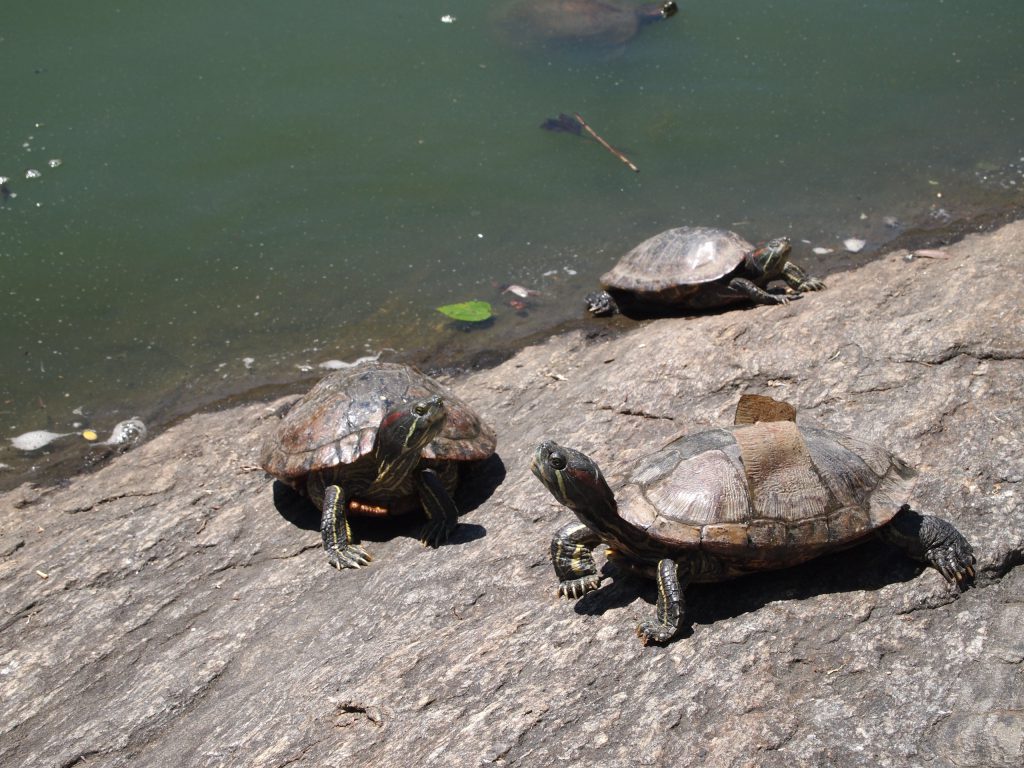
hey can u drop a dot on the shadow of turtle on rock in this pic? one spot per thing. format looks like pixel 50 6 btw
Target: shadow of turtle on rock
pixel 476 486
pixel 869 566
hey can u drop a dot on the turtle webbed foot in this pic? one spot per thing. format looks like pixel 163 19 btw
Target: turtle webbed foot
pixel 348 556
pixel 436 532
pixel 576 588
pixel 600 304
pixel 811 284
pixel 954 559
pixel 655 632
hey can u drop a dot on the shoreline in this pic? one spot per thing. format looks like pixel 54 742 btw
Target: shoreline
pixel 63 463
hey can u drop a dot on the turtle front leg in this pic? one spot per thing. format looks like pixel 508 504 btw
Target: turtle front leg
pixel 798 280
pixel 571 554
pixel 757 295
pixel 442 514
pixel 336 534
pixel 932 540
pixel 669 617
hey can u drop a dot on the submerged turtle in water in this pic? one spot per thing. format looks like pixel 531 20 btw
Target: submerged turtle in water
pixel 597 22
pixel 698 268
pixel 726 502
pixel 377 439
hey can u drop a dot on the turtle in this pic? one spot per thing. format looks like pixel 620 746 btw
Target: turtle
pixel 698 268
pixel 718 504
pixel 596 22
pixel 377 439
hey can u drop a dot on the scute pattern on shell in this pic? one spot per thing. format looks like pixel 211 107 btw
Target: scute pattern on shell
pixel 817 490
pixel 336 422
pixel 676 257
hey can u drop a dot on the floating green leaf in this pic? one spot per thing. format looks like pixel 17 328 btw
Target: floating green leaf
pixel 468 311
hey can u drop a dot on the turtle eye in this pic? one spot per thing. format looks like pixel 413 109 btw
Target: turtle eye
pixel 557 461
pixel 420 409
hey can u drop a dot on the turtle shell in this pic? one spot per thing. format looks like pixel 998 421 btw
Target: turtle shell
pixel 603 22
pixel 336 422
pixel 764 495
pixel 685 256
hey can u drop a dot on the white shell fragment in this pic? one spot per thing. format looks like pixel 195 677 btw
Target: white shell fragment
pixel 821 250
pixel 854 245
pixel 39 438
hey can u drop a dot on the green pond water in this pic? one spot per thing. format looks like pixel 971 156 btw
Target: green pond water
pixel 242 191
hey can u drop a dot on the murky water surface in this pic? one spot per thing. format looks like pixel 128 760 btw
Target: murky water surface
pixel 239 189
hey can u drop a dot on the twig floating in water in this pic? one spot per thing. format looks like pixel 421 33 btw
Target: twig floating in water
pixel 605 144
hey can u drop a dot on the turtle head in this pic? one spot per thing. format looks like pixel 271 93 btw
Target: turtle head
pixel 575 480
pixel 769 257
pixel 656 11
pixel 407 429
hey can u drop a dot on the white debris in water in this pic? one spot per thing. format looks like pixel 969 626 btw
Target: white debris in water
pixel 304 367
pixel 40 438
pixel 4 466
pixel 127 432
pixel 520 291
pixel 854 245
pixel 821 251
pixel 569 271
pixel 54 163
pixel 3 179
pixel 550 272
pixel 31 173
pixel 891 221
pixel 447 19
pixel 248 362
pixel 337 365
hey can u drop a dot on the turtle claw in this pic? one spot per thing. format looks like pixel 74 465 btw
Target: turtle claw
pixel 652 632
pixel 812 284
pixel 349 556
pixel 576 588
pixel 954 561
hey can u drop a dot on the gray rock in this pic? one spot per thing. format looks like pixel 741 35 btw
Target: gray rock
pixel 164 611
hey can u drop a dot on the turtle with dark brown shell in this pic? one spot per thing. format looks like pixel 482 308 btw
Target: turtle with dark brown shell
pixel 377 439
pixel 604 23
pixel 698 268
pixel 726 502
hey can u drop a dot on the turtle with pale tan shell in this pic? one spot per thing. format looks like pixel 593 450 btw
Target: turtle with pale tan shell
pixel 722 503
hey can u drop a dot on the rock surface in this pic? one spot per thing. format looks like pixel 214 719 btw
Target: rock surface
pixel 171 609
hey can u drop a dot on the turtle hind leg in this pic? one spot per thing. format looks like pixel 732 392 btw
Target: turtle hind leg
pixel 756 294
pixel 336 534
pixel 932 540
pixel 442 514
pixel 669 618
pixel 574 563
